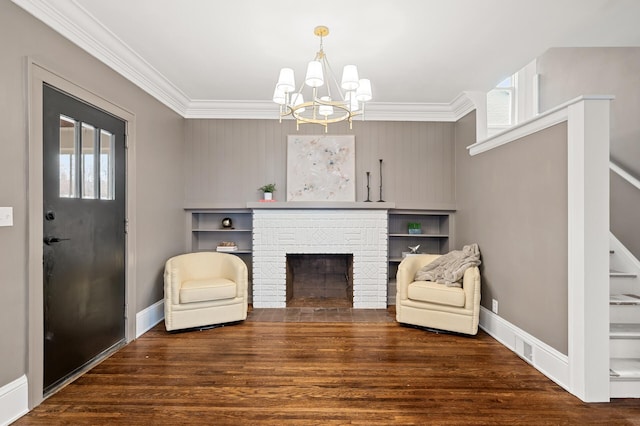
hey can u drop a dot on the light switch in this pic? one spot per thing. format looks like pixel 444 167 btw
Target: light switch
pixel 6 216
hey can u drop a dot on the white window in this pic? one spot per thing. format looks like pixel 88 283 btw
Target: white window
pixel 501 106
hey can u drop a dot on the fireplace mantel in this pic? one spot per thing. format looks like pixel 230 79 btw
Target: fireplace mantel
pixel 314 205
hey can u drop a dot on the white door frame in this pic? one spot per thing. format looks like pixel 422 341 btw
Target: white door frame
pixel 37 74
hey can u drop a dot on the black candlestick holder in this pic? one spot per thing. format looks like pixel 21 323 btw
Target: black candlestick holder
pixel 368 188
pixel 381 200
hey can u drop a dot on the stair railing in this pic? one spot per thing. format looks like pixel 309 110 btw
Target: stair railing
pixel 624 174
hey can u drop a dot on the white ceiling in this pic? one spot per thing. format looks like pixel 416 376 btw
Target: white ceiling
pixel 210 58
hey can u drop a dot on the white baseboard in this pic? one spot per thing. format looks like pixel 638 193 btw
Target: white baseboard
pixel 624 388
pixel 14 400
pixel 541 356
pixel 147 318
pixel 14 396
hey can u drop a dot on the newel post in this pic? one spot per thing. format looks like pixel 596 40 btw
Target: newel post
pixel 588 247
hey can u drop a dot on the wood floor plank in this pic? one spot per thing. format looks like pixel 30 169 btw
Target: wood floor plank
pixel 319 373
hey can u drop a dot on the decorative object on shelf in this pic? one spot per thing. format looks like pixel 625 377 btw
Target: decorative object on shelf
pixel 381 200
pixel 268 191
pixel 321 168
pixel 227 223
pixel 368 177
pixel 414 228
pixel 227 246
pixel 413 251
pixel 327 107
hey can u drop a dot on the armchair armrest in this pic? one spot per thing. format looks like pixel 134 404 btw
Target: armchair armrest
pixel 234 269
pixel 471 287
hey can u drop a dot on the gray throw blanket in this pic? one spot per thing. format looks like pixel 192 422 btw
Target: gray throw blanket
pixel 449 269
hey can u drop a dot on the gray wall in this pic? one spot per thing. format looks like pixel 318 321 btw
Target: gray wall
pixel 566 73
pixel 227 160
pixel 625 199
pixel 160 183
pixel 512 201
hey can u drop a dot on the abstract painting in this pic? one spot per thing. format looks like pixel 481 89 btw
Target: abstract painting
pixel 321 168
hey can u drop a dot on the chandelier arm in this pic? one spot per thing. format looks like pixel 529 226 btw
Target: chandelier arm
pixel 325 70
pixel 313 101
pixel 333 77
pixel 299 92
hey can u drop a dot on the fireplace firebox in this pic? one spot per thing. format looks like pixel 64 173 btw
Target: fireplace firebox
pixel 319 280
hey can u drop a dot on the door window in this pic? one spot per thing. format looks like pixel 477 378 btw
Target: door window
pixel 68 157
pixel 87 161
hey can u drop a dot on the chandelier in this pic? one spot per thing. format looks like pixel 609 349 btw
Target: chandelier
pixel 345 101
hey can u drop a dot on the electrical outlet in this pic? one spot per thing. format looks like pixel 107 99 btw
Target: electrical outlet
pixel 494 306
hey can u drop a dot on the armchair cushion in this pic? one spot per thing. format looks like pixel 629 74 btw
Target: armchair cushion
pixel 427 291
pixel 207 289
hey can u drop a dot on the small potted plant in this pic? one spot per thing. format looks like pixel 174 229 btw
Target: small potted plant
pixel 268 191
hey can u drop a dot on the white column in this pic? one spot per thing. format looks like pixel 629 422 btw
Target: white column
pixel 588 257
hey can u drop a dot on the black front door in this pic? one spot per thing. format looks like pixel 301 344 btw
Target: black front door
pixel 84 234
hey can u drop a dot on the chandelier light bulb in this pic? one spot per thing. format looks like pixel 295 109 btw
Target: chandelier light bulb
pixel 352 101
pixel 279 96
pixel 363 93
pixel 325 110
pixel 286 80
pixel 296 100
pixel 350 77
pixel 314 77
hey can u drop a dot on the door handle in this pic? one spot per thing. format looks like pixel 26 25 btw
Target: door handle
pixel 50 240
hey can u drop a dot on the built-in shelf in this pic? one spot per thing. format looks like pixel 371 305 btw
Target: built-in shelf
pixel 221 230
pixel 420 235
pixel 433 236
pixel 206 232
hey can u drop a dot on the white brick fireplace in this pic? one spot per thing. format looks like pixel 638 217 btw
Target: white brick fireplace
pixel 361 232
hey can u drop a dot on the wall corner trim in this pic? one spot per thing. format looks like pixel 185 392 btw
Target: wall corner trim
pixel 543 357
pixel 147 318
pixel 14 400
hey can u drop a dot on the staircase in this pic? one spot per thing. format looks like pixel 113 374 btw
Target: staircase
pixel 624 322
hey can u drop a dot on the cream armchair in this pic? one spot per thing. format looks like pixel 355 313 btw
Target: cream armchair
pixel 433 305
pixel 203 289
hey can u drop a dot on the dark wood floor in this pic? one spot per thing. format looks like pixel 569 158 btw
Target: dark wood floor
pixel 307 373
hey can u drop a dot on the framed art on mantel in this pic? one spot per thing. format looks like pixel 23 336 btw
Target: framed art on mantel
pixel 321 168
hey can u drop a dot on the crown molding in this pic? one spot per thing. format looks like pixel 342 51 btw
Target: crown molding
pixel 374 111
pixel 75 23
pixel 255 110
